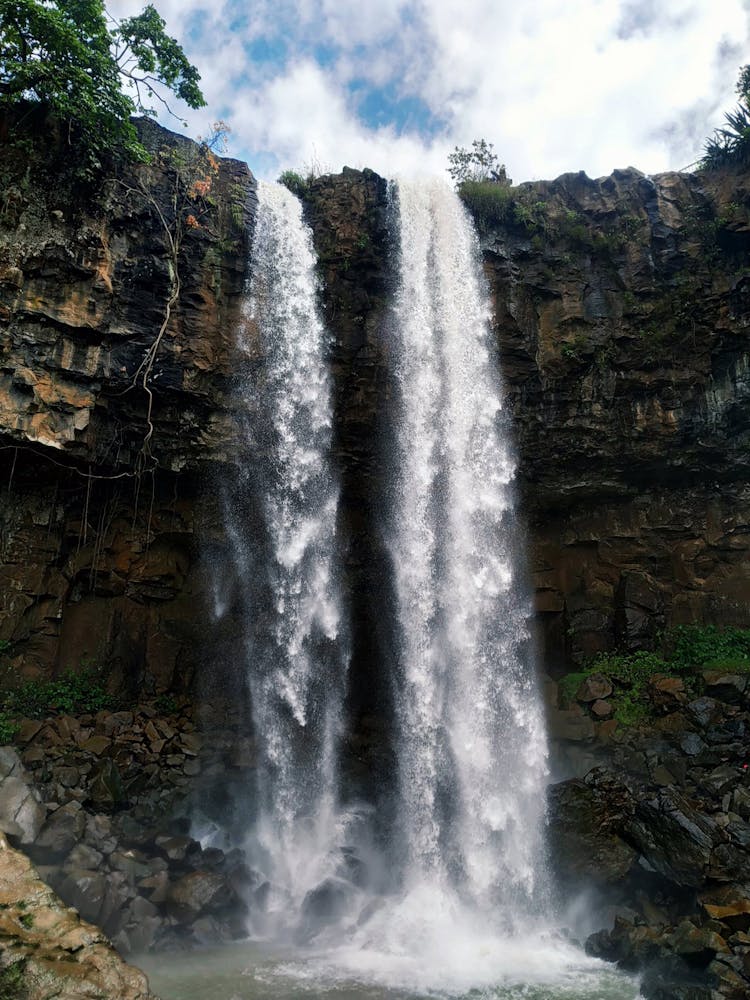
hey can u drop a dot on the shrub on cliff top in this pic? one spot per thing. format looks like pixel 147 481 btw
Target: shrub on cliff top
pixel 88 70
pixel 730 145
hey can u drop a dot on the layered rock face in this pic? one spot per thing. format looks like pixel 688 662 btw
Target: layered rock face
pixel 622 316
pixel 621 309
pixel 98 516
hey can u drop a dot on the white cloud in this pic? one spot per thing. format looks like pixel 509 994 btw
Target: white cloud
pixel 555 84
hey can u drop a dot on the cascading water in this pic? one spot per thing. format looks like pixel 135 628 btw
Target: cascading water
pixel 464 914
pixel 471 730
pixel 296 650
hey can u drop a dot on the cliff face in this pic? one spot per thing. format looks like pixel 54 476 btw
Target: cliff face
pixel 622 324
pixel 97 519
pixel 621 316
pixel 621 313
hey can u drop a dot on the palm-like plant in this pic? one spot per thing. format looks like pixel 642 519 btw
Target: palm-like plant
pixel 730 145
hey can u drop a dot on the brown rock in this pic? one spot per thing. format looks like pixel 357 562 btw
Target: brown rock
pixel 27 730
pixel 65 957
pixel 595 687
pixel 601 709
pixel 96 745
pixel 197 893
pixel 570 725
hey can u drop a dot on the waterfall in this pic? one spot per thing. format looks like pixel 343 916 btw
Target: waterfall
pixel 450 898
pixel 471 737
pixel 296 646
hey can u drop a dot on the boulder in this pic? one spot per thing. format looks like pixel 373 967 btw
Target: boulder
pixel 725 686
pixel 22 814
pixel 594 687
pixel 62 831
pixel 106 789
pixel 199 893
pixel 583 843
pixel 569 724
pixel 61 957
pixel 326 904
pixel 86 891
pixel 674 838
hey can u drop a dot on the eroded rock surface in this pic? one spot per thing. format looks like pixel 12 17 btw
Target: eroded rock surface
pixel 47 951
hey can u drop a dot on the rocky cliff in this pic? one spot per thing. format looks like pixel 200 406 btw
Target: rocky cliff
pixel 621 310
pixel 620 315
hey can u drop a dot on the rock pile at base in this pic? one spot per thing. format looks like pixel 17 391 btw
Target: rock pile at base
pixel 100 804
pixel 658 832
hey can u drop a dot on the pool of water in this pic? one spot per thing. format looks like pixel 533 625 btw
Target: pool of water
pixel 257 971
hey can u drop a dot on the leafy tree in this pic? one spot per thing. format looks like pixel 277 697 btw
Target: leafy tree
pixel 730 145
pixel 88 70
pixel 478 164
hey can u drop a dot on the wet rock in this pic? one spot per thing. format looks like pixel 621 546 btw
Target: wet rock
pixel 84 856
pixel 178 848
pixel 601 710
pixel 22 814
pixel 729 904
pixel 571 725
pixel 132 863
pixel 85 890
pixel 674 838
pixel 106 789
pixel 583 842
pixel 692 744
pixel 725 686
pixel 326 904
pixel 667 692
pixel 700 943
pixel 631 946
pixel 197 893
pixel 62 831
pixel 99 833
pixel 704 711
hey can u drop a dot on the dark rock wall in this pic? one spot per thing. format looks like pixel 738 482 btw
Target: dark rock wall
pixel 622 322
pixel 621 312
pixel 100 565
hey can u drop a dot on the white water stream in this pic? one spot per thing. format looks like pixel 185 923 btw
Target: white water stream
pixel 297 657
pixel 467 911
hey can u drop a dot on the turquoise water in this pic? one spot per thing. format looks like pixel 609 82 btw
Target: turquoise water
pixel 251 971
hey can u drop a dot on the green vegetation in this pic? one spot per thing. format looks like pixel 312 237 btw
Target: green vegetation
pixel 686 651
pixel 89 72
pixel 295 182
pixel 476 165
pixel 166 704
pixel 730 146
pixel 707 646
pixel 491 204
pixel 73 693
pixel 11 981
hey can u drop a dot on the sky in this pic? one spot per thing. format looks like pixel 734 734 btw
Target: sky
pixel 395 85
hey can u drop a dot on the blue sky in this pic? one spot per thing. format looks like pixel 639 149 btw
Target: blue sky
pixel 556 85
